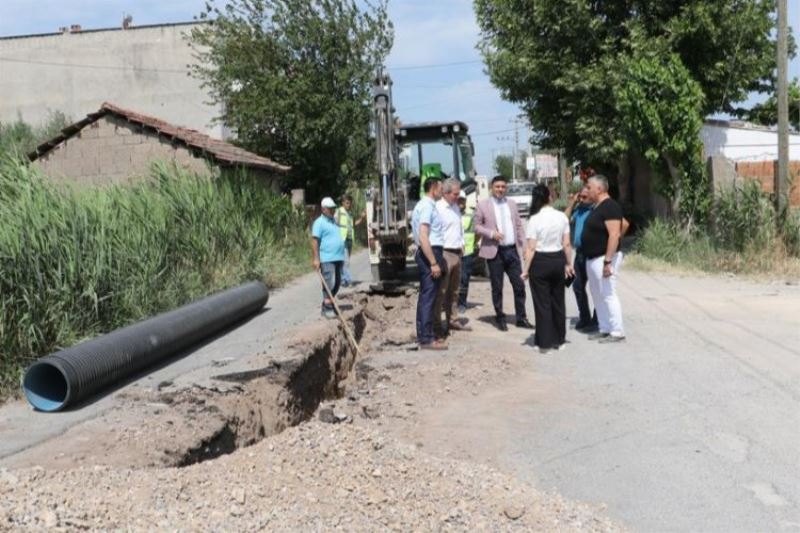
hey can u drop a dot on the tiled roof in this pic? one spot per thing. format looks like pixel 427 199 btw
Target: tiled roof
pixel 219 152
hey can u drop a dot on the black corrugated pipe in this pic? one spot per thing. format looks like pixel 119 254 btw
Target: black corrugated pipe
pixel 65 377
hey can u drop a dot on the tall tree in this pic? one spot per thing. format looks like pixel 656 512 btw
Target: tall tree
pixel 766 112
pixel 612 81
pixel 294 78
pixel 504 166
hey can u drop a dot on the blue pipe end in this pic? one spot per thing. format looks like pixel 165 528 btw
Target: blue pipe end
pixel 45 387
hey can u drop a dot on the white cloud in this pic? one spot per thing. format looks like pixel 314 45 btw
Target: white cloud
pixel 432 31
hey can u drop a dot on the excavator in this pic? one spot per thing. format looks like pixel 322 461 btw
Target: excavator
pixel 408 154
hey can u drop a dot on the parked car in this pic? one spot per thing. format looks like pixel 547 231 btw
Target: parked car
pixel 520 192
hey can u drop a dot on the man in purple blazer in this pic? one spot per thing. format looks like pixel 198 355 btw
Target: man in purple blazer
pixel 498 222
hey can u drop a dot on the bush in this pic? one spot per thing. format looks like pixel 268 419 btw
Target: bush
pixel 790 231
pixel 21 138
pixel 77 262
pixel 744 219
pixel 745 236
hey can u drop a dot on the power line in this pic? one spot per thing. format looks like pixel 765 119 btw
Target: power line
pixel 90 66
pixel 491 132
pixel 436 65
pixel 185 71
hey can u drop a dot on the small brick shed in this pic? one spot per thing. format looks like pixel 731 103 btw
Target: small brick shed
pixel 116 145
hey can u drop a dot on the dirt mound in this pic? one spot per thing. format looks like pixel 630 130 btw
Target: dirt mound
pixel 315 476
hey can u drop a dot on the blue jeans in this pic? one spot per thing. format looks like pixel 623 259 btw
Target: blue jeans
pixel 348 250
pixel 466 274
pixel 332 273
pixel 428 288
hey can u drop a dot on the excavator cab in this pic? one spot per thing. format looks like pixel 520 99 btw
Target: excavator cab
pixel 443 149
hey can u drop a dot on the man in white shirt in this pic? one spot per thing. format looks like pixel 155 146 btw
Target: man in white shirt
pixel 447 299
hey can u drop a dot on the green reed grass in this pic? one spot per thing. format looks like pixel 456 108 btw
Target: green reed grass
pixel 79 261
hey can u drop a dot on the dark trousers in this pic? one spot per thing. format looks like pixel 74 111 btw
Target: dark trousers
pixel 466 274
pixel 579 288
pixel 547 286
pixel 428 288
pixel 507 262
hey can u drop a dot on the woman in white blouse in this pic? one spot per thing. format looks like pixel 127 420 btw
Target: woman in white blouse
pixel 548 262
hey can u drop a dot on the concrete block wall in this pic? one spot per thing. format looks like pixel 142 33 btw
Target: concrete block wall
pixel 142 68
pixel 111 150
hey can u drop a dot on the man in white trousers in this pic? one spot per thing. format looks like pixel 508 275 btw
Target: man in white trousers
pixel 602 233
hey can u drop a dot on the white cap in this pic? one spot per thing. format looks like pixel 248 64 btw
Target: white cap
pixel 328 202
pixel 462 194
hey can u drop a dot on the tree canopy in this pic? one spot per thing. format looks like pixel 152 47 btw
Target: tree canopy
pixel 504 165
pixel 19 138
pixel 294 78
pixel 605 79
pixel 766 112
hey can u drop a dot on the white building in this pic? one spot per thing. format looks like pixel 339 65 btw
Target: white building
pixel 75 71
pixel 744 142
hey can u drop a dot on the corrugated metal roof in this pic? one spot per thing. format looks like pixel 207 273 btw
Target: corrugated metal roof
pixel 219 152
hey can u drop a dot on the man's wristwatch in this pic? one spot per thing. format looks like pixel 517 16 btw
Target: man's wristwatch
pixel 606 261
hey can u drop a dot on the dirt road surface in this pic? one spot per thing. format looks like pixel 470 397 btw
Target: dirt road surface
pixel 692 424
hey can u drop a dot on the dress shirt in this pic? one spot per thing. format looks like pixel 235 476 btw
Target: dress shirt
pixel 505 224
pixel 425 213
pixel 547 228
pixel 451 218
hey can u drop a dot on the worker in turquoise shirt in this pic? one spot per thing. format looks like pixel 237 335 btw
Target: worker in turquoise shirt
pixel 329 253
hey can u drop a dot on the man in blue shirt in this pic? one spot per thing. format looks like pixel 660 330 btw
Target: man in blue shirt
pixel 577 215
pixel 428 228
pixel 328 247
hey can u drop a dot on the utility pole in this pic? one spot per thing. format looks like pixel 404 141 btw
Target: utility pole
pixel 517 121
pixel 782 174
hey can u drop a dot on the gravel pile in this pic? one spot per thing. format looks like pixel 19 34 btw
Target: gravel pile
pixel 316 476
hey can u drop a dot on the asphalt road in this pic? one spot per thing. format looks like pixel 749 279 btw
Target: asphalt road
pixel 21 427
pixel 693 424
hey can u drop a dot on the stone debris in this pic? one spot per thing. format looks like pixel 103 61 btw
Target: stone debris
pixel 315 476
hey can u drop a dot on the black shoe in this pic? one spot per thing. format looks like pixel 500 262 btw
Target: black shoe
pixel 501 324
pixel 580 324
pixel 523 323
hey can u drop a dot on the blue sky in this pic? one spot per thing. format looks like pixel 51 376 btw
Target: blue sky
pixel 427 32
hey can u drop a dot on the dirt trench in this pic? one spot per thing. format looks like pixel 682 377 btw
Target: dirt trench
pixel 179 427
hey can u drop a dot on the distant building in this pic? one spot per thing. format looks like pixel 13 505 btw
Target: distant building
pixel 737 150
pixel 744 141
pixel 75 70
pixel 116 145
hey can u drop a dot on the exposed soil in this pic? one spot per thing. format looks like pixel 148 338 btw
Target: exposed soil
pixel 303 442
